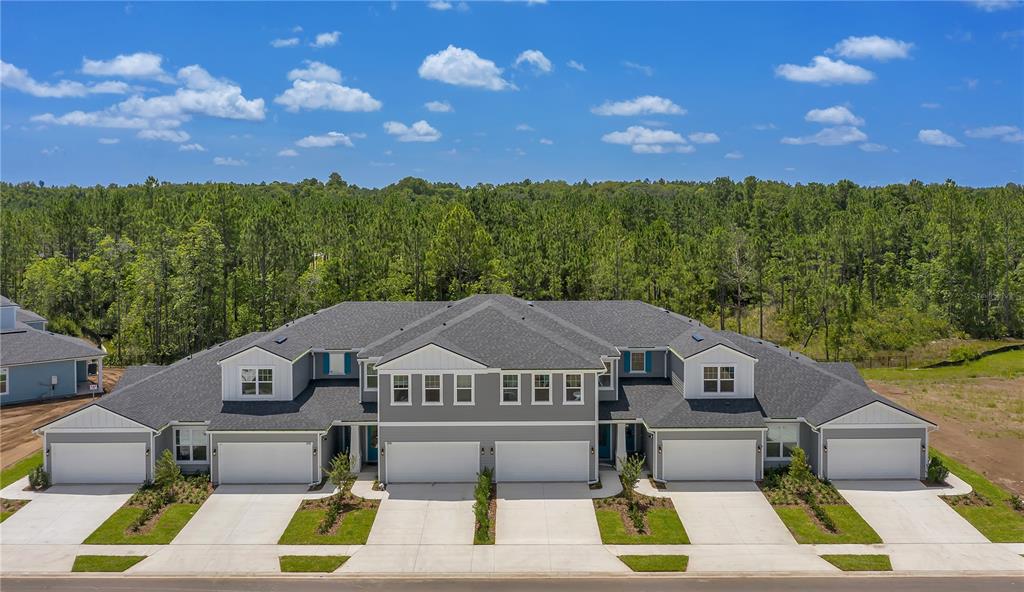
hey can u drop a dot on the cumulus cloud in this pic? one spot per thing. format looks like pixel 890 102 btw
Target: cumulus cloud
pixel 546 141
pixel 463 67
pixel 288 153
pixel 576 65
pixel 837 115
pixel 1006 133
pixel 440 5
pixel 228 161
pixel 642 140
pixel 327 140
pixel 317 86
pixel 830 136
pixel 734 155
pixel 535 58
pixel 645 70
pixel 825 71
pixel 191 148
pixel 872 147
pixel 995 5
pixel 164 135
pixel 136 65
pixel 315 71
pixel 524 127
pixel 108 141
pixel 13 77
pixel 92 119
pixel 645 105
pixel 326 39
pixel 421 131
pixel 439 106
pixel 285 42
pixel 704 138
pixel 202 94
pixel 873 47
pixel 934 137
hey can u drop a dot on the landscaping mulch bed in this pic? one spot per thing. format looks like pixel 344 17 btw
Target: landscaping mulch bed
pixel 349 503
pixel 621 505
pixel 192 489
pixel 9 506
pixel 784 493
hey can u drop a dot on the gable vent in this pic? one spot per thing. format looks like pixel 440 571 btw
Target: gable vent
pixel 697 337
pixel 281 339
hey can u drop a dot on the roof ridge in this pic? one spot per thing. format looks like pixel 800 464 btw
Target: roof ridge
pixel 558 339
pixel 418 322
pixel 569 324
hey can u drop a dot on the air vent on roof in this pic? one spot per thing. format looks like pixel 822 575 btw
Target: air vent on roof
pixel 281 339
pixel 529 303
pixel 697 337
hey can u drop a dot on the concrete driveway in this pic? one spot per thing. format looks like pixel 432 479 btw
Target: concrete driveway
pixel 908 512
pixel 727 512
pixel 243 515
pixel 64 514
pixel 546 514
pixel 425 514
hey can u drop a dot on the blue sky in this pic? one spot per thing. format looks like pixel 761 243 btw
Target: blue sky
pixel 873 92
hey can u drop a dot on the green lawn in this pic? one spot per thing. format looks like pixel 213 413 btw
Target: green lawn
pixel 115 530
pixel 860 562
pixel 20 469
pixel 655 562
pixel 852 528
pixel 105 562
pixel 1000 523
pixel 354 528
pixel 1004 365
pixel 312 563
pixel 666 529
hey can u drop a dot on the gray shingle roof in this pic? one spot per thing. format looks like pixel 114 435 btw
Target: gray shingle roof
pixel 316 408
pixel 27 316
pixel 5 301
pixel 133 374
pixel 24 345
pixel 661 405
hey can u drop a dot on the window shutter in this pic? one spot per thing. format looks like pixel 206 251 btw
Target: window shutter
pixel 327 363
pixel 625 362
pixel 648 356
pixel 348 362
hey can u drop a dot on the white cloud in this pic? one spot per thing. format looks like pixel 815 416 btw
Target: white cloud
pixel 642 140
pixel 837 115
pixel 326 39
pixel 734 155
pixel 645 105
pixel 51 151
pixel 288 153
pixel 463 67
pixel 1006 133
pixel 523 127
pixel 873 47
pixel 315 71
pixel 704 138
pixel 285 42
pixel 228 161
pixel 825 71
pixel 930 106
pixel 995 5
pixel 872 147
pixel 202 94
pixel 662 149
pixel 109 141
pixel 645 70
pixel 297 29
pixel 164 135
pixel 92 119
pixel 535 58
pixel 439 106
pixel 576 65
pixel 546 141
pixel 934 137
pixel 763 127
pixel 830 136
pixel 421 131
pixel 324 94
pixel 327 140
pixel 440 5
pixel 191 148
pixel 136 65
pixel 13 77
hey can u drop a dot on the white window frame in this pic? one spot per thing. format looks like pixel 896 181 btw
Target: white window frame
pixel 440 391
pixel 533 388
pixel 472 390
pixel 205 444
pixel 408 389
pixel 332 367
pixel 366 375
pixel 6 380
pixel 257 394
pixel 782 441
pixel 519 392
pixel 610 373
pixel 565 389
pixel 718 379
pixel 643 362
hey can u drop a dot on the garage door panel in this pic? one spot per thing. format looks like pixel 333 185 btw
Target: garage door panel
pixel 432 462
pixel 265 462
pixel 98 462
pixel 542 461
pixel 884 458
pixel 709 460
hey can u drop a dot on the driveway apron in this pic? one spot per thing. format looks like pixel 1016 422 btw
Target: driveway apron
pixel 64 514
pixel 546 514
pixel 243 515
pixel 726 513
pixel 425 514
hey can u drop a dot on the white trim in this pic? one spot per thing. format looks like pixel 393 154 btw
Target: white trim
pixel 924 422
pixel 257 395
pixel 263 432
pixel 550 387
pixel 612 362
pixel 519 389
pixel 489 424
pixel 394 364
pixel 643 361
pixel 408 388
pixel 650 429
pixel 781 443
pixel 98 430
pixel 472 389
pixel 330 363
pixel 7 380
pixel 252 347
pixel 363 365
pixel 879 426
pixel 440 391
pixel 718 381
pixel 77 359
pixel 707 349
pixel 43 428
pixel 565 390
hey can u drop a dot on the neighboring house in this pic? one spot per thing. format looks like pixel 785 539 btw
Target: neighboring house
pixel 538 391
pixel 36 364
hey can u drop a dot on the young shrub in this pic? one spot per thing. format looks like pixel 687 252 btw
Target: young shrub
pixel 167 472
pixel 1017 503
pixel 341 470
pixel 632 470
pixel 334 505
pixel 39 478
pixel 799 470
pixel 636 515
pixel 482 504
pixel 937 471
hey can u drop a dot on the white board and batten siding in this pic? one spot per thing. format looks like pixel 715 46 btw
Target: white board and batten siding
pixel 94 417
pixel 231 377
pixel 693 373
pixel 877 414
pixel 430 357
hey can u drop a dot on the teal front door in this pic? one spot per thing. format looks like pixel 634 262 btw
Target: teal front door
pixel 371 444
pixel 604 441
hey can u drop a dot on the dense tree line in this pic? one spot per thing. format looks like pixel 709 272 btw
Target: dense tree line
pixel 158 270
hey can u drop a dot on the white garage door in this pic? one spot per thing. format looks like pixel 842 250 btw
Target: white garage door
pixel 709 460
pixel 893 458
pixel 265 462
pixel 432 462
pixel 108 462
pixel 542 461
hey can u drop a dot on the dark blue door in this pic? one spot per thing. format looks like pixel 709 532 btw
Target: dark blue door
pixel 604 441
pixel 371 444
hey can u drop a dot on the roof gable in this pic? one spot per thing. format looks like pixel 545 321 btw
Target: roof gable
pixel 876 413
pixel 431 357
pixel 93 417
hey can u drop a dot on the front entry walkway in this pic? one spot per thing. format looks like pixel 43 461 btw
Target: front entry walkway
pixel 727 513
pixel 425 514
pixel 546 514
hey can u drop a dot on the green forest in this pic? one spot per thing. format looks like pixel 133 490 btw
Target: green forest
pixel 157 270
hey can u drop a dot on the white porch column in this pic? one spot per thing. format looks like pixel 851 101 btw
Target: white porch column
pixel 620 445
pixel 99 373
pixel 355 448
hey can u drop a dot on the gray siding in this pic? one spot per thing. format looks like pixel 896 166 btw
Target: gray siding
pixel 809 442
pixel 711 435
pixel 165 441
pixel 32 382
pixel 487 436
pixel 611 394
pixel 675 366
pixel 258 437
pixel 878 434
pixel 330 445
pixel 302 369
pixel 659 366
pixel 101 437
pixel 318 367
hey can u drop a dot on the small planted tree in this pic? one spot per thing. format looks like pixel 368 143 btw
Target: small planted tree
pixel 630 473
pixel 799 470
pixel 167 472
pixel 38 478
pixel 340 471
pixel 482 506
pixel 937 471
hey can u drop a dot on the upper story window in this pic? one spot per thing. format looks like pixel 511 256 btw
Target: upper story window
pixel 190 445
pixel 573 389
pixel 3 381
pixel 637 361
pixel 371 377
pixel 463 389
pixel 337 363
pixel 781 440
pixel 719 379
pixel 604 379
pixel 258 381
pixel 432 389
pixel 509 389
pixel 542 389
pixel 400 390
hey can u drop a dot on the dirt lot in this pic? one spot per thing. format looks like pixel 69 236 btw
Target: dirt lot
pixel 16 438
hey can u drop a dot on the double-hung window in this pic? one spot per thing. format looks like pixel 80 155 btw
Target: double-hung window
pixel 371 376
pixel 3 381
pixel 573 389
pixel 604 379
pixel 637 362
pixel 719 379
pixel 336 363
pixel 509 389
pixel 463 389
pixel 781 440
pixel 541 389
pixel 258 381
pixel 190 445
pixel 400 390
pixel 432 389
